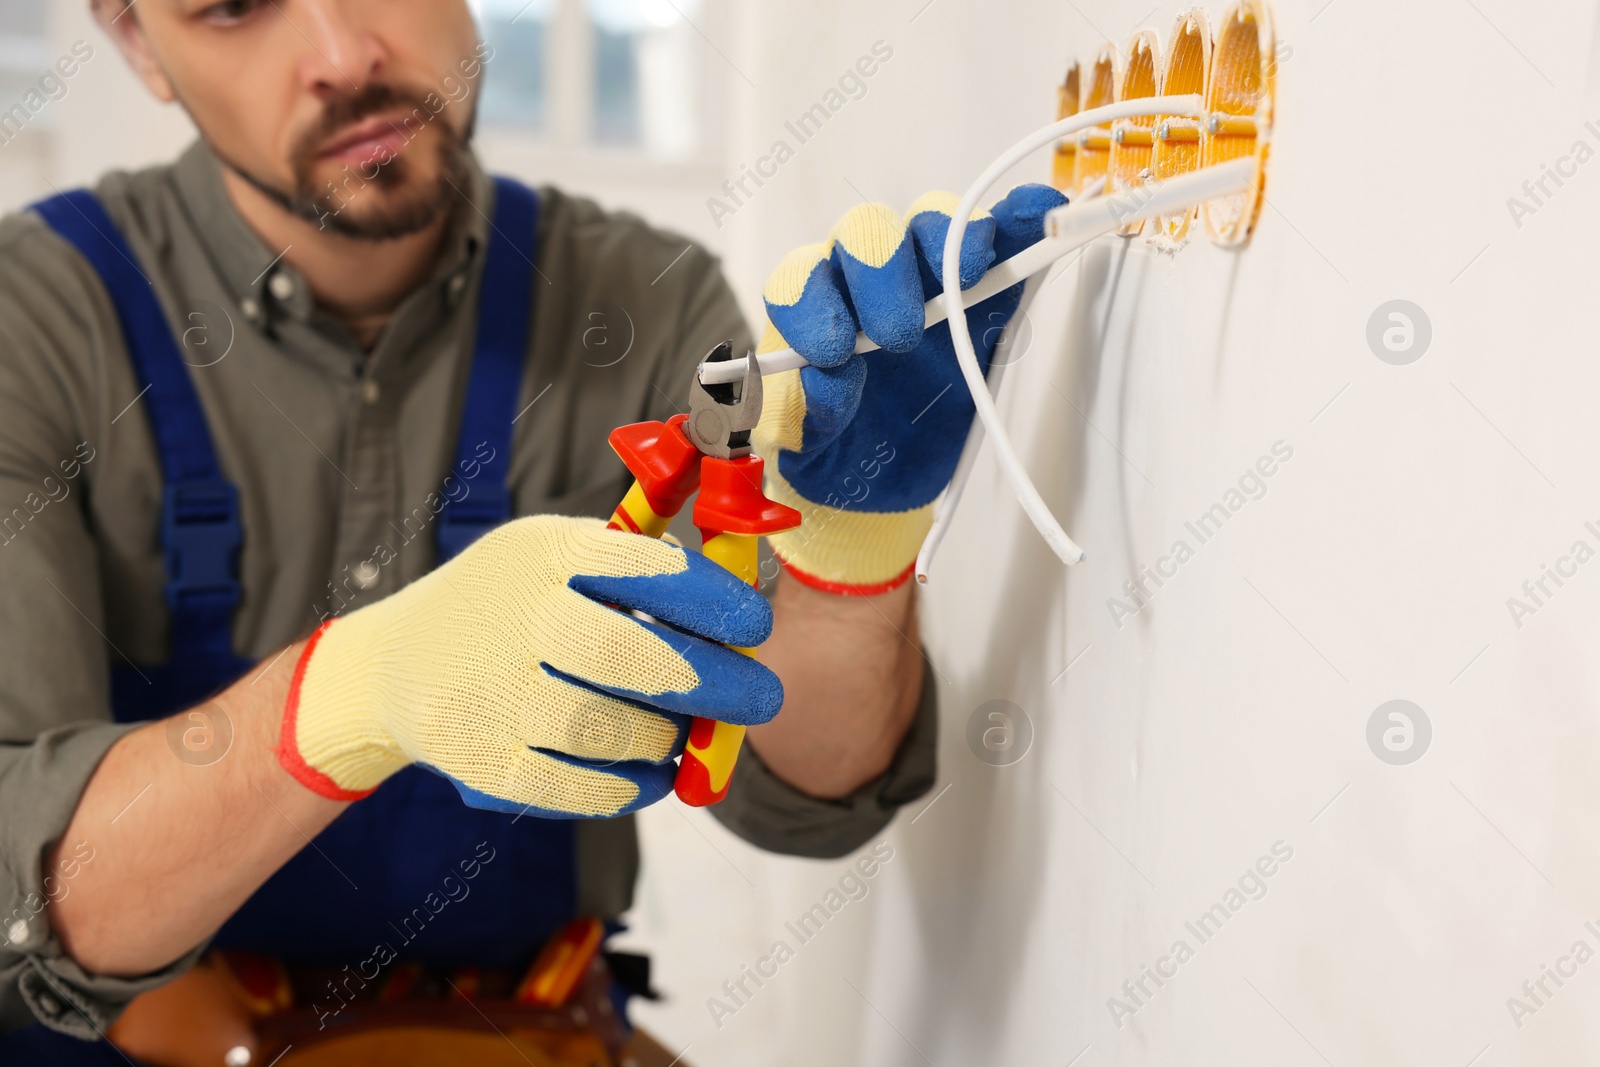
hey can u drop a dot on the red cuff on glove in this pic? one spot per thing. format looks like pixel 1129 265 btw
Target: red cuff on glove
pixel 846 589
pixel 289 753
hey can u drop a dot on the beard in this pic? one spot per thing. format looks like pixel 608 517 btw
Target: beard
pixel 383 198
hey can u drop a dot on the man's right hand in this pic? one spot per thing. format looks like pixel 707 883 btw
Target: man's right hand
pixel 506 671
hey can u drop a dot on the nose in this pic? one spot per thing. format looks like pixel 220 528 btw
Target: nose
pixel 342 53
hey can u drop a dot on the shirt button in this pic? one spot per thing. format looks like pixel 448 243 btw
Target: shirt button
pixel 457 284
pixel 282 286
pixel 251 308
pixel 370 392
pixel 49 1004
pixel 17 933
pixel 366 574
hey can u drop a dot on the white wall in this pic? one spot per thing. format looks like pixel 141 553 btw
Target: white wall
pixel 1231 713
pixel 727 910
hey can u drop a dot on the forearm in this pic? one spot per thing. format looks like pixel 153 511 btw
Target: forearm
pixel 180 844
pixel 852 674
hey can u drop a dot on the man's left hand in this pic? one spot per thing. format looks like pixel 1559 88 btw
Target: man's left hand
pixel 862 445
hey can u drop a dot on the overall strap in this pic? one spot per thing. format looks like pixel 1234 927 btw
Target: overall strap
pixel 200 528
pixel 505 313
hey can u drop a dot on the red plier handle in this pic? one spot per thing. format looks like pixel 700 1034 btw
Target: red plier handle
pixel 731 513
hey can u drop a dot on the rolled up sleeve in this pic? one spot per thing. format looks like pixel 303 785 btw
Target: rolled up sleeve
pixel 40 783
pixel 771 814
pixel 55 723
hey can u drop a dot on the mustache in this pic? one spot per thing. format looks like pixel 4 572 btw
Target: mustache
pixel 325 207
pixel 341 112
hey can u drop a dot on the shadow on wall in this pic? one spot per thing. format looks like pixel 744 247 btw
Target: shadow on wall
pixel 984 909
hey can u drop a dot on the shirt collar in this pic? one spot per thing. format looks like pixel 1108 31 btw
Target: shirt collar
pixel 264 286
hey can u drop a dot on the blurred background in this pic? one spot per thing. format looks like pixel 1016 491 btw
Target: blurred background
pixel 612 96
pixel 647 105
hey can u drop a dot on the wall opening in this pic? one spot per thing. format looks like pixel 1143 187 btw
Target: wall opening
pixel 1066 148
pixel 1177 146
pixel 1239 114
pixel 1094 145
pixel 1131 139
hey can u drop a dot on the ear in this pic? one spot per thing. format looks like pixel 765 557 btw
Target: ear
pixel 121 23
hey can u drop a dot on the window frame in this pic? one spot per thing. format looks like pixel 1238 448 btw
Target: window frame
pixel 567 135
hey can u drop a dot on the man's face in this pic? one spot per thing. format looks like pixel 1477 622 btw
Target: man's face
pixel 352 113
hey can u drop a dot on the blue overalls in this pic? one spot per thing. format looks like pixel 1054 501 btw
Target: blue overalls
pixel 365 881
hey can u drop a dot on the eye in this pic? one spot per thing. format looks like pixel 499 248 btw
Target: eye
pixel 229 12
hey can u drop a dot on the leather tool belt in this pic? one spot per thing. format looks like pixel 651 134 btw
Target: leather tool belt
pixel 236 1009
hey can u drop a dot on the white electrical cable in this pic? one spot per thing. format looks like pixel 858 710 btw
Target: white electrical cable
pixel 944 511
pixel 950 499
pixel 1004 275
pixel 1018 268
pixel 1068 228
pixel 1108 209
pixel 1074 226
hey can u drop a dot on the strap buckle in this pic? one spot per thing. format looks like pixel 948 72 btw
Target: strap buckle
pixel 201 531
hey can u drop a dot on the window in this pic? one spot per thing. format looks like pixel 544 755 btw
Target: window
pixel 514 80
pixel 24 52
pixel 607 74
pixel 617 38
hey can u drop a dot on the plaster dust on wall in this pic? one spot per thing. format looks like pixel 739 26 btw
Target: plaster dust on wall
pixel 1330 683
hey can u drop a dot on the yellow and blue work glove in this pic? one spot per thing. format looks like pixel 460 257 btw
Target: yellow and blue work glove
pixel 865 443
pixel 505 671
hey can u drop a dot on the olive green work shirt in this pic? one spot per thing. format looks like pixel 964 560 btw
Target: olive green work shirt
pixel 335 452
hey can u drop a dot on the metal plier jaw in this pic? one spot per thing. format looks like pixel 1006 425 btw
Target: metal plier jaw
pixel 722 416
